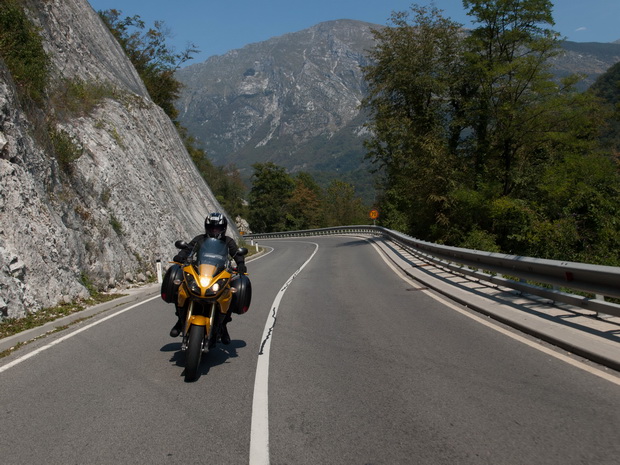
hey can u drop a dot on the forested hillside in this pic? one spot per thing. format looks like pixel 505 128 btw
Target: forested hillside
pixel 607 87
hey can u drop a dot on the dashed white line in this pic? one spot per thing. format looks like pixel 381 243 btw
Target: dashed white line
pixel 259 433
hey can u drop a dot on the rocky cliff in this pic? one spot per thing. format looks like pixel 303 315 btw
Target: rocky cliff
pixel 105 217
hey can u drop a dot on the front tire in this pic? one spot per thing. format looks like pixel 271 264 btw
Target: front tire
pixel 194 351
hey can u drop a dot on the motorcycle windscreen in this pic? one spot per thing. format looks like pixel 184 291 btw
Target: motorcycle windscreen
pixel 212 257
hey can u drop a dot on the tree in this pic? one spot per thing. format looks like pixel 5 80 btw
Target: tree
pixel 305 209
pixel 154 60
pixel 414 87
pixel 269 196
pixel 508 57
pixel 607 88
pixel 343 208
pixel 580 202
pixel 465 125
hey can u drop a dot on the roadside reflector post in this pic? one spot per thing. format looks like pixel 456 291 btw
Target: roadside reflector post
pixel 160 279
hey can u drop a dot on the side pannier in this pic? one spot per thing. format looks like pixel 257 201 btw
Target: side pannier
pixel 242 295
pixel 170 284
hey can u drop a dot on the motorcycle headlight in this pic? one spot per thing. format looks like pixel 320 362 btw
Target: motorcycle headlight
pixel 217 286
pixel 192 284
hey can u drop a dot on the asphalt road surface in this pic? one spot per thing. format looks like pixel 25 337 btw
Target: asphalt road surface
pixel 363 367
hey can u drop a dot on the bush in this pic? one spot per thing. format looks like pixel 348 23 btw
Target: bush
pixel 21 47
pixel 76 97
pixel 65 149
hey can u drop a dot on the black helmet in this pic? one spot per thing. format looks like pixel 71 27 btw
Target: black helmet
pixel 215 225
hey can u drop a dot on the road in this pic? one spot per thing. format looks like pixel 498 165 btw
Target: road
pixel 364 367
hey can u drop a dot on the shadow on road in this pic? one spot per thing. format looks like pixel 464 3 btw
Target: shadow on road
pixel 216 356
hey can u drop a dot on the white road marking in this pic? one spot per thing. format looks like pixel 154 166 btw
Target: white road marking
pixel 259 431
pixel 70 335
pixel 576 363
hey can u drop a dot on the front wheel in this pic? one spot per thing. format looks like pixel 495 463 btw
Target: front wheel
pixel 194 351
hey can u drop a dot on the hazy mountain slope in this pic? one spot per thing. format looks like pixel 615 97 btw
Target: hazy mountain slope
pixel 270 99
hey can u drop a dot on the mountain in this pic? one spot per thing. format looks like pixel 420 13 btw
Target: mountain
pixel 590 59
pixel 103 216
pixel 294 99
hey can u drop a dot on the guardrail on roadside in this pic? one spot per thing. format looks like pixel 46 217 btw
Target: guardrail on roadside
pixel 557 280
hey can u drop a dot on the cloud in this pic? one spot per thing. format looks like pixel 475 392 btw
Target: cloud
pixel 580 29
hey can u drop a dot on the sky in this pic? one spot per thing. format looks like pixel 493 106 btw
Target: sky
pixel 218 26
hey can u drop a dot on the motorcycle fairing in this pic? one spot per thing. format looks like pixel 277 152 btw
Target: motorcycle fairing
pixel 208 271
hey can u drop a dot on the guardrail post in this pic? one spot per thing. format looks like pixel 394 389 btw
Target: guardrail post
pixel 600 315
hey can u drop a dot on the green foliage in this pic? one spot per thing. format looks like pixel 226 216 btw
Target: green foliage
pixel 581 198
pixel 412 83
pixel 271 190
pixel 607 88
pixel 480 146
pixel 477 239
pixel 155 61
pixel 65 149
pixel 225 182
pixel 342 207
pixel 281 202
pixel 11 326
pixel 76 97
pixel 21 48
pixel 117 226
pixel 305 206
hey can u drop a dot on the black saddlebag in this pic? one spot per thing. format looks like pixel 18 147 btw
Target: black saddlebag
pixel 243 295
pixel 169 289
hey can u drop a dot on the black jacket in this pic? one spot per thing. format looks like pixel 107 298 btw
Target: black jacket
pixel 230 243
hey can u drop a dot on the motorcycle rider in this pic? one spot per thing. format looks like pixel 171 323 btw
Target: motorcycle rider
pixel 215 227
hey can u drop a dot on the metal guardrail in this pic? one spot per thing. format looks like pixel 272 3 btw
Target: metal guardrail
pixel 560 281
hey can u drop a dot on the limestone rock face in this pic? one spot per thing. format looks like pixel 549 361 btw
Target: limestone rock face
pixel 111 213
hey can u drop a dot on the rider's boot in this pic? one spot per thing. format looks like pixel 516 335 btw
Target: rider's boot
pixel 178 326
pixel 224 336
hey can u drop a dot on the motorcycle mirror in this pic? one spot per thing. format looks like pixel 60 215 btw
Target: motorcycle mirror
pixel 242 251
pixel 180 245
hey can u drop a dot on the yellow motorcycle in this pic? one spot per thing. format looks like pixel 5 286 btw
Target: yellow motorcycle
pixel 206 286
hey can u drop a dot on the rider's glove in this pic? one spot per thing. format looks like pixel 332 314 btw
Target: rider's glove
pixel 241 268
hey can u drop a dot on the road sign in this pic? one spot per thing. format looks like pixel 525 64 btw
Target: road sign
pixel 374 214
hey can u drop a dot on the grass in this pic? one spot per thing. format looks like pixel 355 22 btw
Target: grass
pixel 77 97
pixel 65 148
pixel 12 326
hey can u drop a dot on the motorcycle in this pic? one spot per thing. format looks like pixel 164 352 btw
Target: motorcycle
pixel 206 286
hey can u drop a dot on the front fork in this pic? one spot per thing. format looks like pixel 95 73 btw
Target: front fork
pixel 210 323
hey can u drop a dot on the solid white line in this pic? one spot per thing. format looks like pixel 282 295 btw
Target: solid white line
pixel 259 433
pixel 601 374
pixel 70 335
